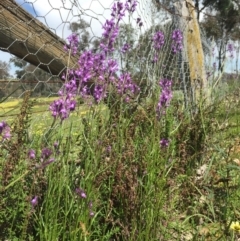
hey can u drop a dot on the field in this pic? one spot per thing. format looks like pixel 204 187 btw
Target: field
pixel 102 174
pixel 41 116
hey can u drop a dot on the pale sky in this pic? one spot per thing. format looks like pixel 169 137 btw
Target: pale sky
pixel 57 14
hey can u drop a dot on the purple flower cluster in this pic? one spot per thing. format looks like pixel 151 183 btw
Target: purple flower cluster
pixel 118 10
pixel 45 158
pixel 4 131
pixel 125 48
pixel 62 107
pixel 111 28
pixel 109 36
pixel 45 161
pixel 34 202
pixel 177 39
pixel 96 71
pixel 230 49
pixel 81 193
pixel 131 5
pixel 164 143
pixel 66 103
pixel 165 97
pixel 31 154
pixel 158 40
pixel 73 44
pixel 90 205
pixel 126 88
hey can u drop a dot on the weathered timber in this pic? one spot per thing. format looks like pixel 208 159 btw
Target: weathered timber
pixel 195 55
pixel 27 38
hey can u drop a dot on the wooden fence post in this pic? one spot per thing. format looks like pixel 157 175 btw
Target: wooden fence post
pixel 195 56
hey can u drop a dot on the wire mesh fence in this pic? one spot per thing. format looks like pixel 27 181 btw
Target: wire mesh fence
pixel 33 33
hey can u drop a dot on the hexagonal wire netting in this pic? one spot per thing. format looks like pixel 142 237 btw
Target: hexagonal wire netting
pixel 32 35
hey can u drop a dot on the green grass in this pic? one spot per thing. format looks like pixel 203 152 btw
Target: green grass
pixel 135 189
pixel 41 118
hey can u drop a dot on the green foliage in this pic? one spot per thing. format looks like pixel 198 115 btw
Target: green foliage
pixel 4 70
pixel 135 190
pixel 16 179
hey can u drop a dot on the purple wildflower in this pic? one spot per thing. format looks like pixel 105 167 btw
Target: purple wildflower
pixel 91 213
pixel 131 5
pixel 73 43
pixel 125 86
pixel 56 147
pixel 118 10
pixel 164 143
pixel 62 107
pixel 99 93
pixel 112 66
pixel 34 201
pixel 165 96
pixel 165 83
pixel 45 158
pixel 109 36
pixel 31 154
pixel 111 29
pixel 81 193
pixel 5 130
pixel 96 71
pixel 46 163
pixel 46 153
pixel 177 39
pixel 155 59
pixel 125 48
pixel 158 40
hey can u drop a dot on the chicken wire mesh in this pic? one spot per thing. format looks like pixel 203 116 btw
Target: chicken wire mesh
pixel 32 35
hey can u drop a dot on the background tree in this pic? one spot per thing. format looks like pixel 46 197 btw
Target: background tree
pixel 28 71
pixel 220 20
pixel 80 27
pixel 4 70
pixel 33 78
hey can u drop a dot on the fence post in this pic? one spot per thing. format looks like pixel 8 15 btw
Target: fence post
pixel 195 56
